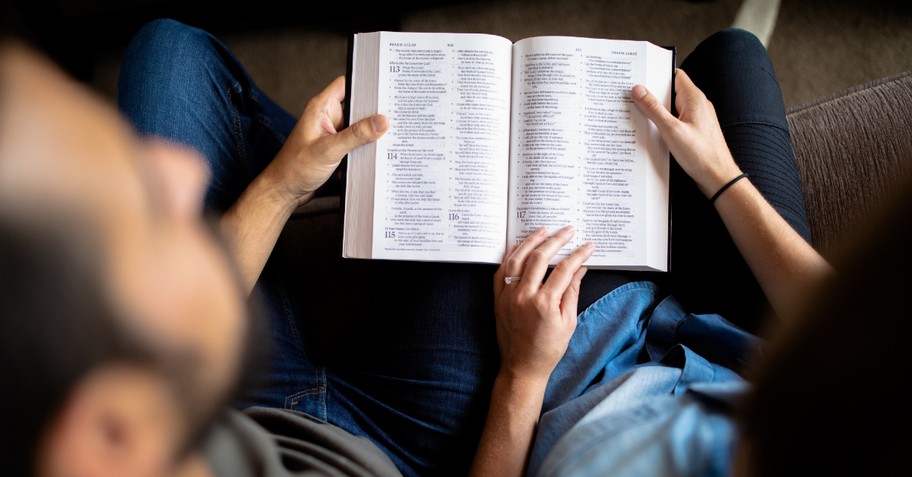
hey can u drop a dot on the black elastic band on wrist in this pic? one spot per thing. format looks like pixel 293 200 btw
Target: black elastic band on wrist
pixel 726 186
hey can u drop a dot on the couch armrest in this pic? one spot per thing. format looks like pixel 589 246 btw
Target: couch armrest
pixel 851 149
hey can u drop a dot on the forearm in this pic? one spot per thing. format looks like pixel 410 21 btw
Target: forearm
pixel 784 264
pixel 510 427
pixel 253 224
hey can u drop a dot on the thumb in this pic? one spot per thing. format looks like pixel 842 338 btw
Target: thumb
pixel 362 132
pixel 647 103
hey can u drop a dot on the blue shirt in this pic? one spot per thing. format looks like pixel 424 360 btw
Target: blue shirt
pixel 645 388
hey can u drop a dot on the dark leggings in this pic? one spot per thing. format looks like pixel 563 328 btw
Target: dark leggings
pixel 708 274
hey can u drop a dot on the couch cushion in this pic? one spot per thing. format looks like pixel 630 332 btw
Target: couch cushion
pixel 851 149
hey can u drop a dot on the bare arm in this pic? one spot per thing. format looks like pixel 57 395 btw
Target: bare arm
pixel 311 154
pixel 510 427
pixel 784 264
pixel 535 321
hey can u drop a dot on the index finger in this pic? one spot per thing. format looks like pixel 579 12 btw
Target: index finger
pixel 335 91
pixel 537 260
pixel 362 132
pixel 563 272
pixel 649 105
pixel 328 102
pixel 514 263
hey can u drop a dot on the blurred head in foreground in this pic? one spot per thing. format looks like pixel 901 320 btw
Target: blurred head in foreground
pixel 122 325
pixel 829 388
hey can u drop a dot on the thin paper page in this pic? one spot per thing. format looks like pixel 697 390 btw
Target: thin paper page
pixel 580 151
pixel 441 175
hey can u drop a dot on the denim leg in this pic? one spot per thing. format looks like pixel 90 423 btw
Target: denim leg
pixel 403 353
pixel 411 356
pixel 708 273
pixel 180 83
pixel 407 355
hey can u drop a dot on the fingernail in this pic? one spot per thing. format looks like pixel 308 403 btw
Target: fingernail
pixel 567 229
pixel 379 123
pixel 638 92
pixel 541 230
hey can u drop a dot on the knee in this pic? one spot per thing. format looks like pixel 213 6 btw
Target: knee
pixel 734 41
pixel 163 36
pixel 163 63
pixel 729 49
pixel 164 48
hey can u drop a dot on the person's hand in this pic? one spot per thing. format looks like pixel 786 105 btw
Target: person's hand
pixel 537 317
pixel 694 137
pixel 310 155
pixel 318 143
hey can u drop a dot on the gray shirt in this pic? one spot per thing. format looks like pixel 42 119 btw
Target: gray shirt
pixel 266 442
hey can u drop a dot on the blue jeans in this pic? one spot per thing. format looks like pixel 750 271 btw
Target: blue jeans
pixel 401 353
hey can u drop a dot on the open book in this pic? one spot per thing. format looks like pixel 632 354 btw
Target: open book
pixel 490 140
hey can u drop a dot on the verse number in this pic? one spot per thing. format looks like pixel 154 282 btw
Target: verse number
pixel 520 214
pixel 394 68
pixel 389 234
pixel 453 216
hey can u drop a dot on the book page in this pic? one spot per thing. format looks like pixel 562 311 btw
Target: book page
pixel 442 168
pixel 581 152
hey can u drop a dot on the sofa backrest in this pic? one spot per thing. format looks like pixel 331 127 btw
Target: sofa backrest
pixel 852 149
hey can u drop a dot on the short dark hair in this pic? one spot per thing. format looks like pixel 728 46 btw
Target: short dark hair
pixel 828 396
pixel 56 325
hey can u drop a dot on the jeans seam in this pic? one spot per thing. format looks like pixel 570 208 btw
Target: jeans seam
pixel 318 390
pixel 235 91
pixel 264 120
pixel 323 393
pixel 290 322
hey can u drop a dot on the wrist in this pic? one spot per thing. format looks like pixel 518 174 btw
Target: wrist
pixel 524 382
pixel 295 186
pixel 718 177
pixel 729 184
pixel 266 193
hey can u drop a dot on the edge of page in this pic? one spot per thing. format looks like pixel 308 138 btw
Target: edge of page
pixel 358 190
pixel 346 121
pixel 659 61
